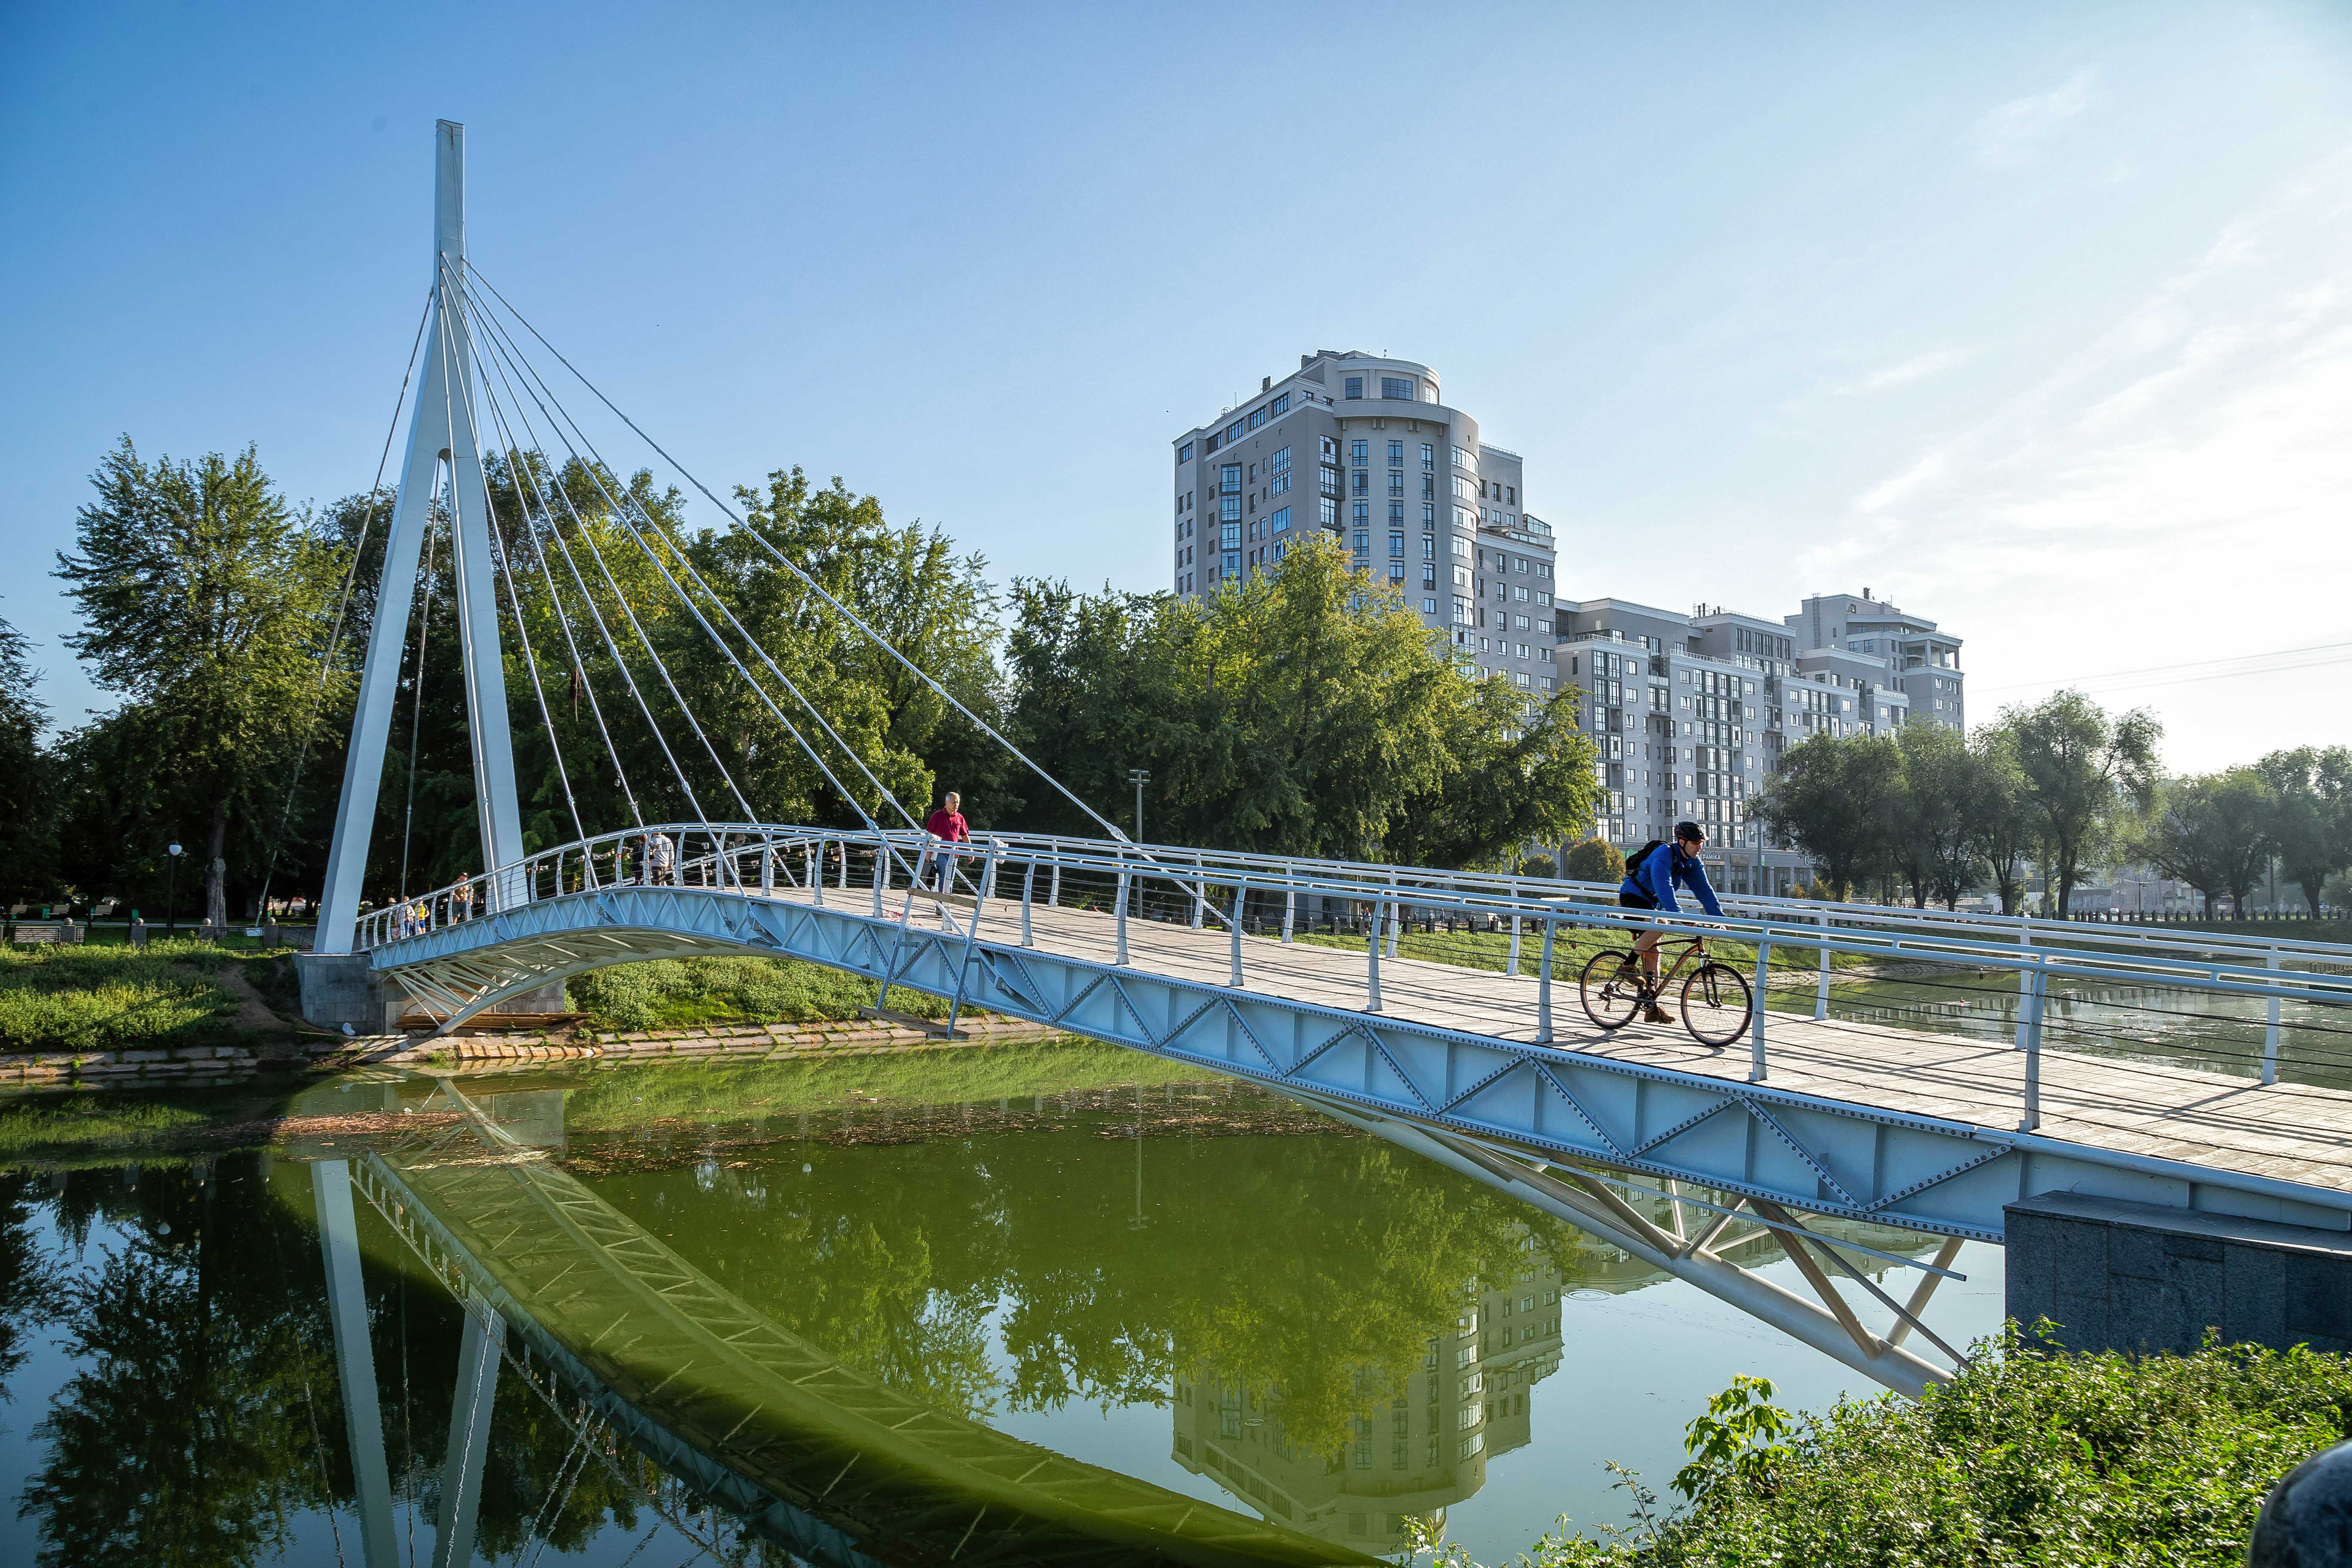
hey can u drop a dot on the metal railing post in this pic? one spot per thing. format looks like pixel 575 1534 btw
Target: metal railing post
pixel 1200 893
pixel 1372 947
pixel 2271 1030
pixel 1543 987
pixel 1821 990
pixel 1122 914
pixel 1028 891
pixel 842 880
pixel 1393 911
pixel 2037 985
pixel 1241 896
pixel 1756 1032
pixel 767 864
pixel 1053 888
pixel 816 883
pixel 1289 909
pixel 881 862
pixel 2024 982
pixel 809 866
pixel 1511 966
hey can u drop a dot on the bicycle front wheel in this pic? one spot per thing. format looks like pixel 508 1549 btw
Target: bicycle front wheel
pixel 1610 988
pixel 1716 1004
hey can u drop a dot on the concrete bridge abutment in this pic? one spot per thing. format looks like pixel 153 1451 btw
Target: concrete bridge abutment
pixel 2145 1278
pixel 340 988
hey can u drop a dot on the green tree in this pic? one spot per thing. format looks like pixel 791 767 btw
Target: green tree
pixel 2088 776
pixel 2214 832
pixel 1595 860
pixel 2312 833
pixel 1837 800
pixel 1939 812
pixel 2001 818
pixel 205 601
pixel 27 829
pixel 1305 712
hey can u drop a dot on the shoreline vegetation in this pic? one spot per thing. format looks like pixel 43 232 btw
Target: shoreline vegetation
pixel 2029 1456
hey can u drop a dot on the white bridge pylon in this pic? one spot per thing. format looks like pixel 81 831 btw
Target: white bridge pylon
pixel 443 460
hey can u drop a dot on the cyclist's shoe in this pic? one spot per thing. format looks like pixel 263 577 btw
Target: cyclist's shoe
pixel 1654 1014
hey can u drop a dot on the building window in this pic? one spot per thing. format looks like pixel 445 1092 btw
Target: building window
pixel 1397 386
pixel 1359 453
pixel 1396 453
pixel 1233 564
pixel 1461 546
pixel 1429 607
pixel 1279 463
pixel 1229 508
pixel 1229 479
pixel 1233 432
pixel 1355 387
pixel 1329 449
pixel 1256 417
pixel 1465 490
pixel 1211 444
pixel 1396 481
pixel 1363 482
pixel 1396 545
pixel 1363 543
pixel 1463 459
pixel 1279 523
pixel 1330 512
pixel 1428 514
pixel 1396 515
pixel 1229 535
pixel 1363 514
pixel 1281 485
pixel 1184 453
pixel 1329 480
pixel 1428 458
pixel 1278 407
pixel 1428 547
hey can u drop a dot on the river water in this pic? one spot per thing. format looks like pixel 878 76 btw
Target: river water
pixel 1194 1290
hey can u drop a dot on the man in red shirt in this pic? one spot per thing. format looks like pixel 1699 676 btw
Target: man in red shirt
pixel 947 825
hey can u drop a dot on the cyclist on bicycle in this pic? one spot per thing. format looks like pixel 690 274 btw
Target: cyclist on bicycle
pixel 1649 884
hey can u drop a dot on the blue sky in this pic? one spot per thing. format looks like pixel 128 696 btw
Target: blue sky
pixel 2036 319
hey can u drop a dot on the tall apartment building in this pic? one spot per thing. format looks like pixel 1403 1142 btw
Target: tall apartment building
pixel 1364 448
pixel 1693 711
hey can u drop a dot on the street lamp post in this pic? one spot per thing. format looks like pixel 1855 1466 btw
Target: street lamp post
pixel 172 884
pixel 1138 778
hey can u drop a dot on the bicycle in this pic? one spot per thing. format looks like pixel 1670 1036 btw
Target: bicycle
pixel 1717 1003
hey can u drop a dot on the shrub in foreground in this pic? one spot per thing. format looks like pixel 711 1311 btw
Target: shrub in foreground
pixel 2030 1456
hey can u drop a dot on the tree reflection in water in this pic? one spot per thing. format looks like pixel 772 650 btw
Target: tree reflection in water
pixel 1315 1268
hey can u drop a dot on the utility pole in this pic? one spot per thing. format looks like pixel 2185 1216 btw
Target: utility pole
pixel 172 882
pixel 1138 778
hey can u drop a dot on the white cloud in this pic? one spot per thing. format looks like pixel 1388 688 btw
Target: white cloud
pixel 1917 368
pixel 1918 477
pixel 2011 132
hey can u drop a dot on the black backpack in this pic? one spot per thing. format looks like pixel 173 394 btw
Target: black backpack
pixel 1638 858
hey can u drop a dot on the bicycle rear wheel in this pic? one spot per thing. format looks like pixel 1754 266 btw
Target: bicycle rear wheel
pixel 1716 1004
pixel 1610 988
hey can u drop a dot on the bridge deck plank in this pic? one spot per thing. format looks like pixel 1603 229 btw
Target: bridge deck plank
pixel 2297 1132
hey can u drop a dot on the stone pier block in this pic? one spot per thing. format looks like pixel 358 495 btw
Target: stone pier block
pixel 2145 1278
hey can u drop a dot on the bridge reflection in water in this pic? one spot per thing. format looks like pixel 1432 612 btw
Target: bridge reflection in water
pixel 847 1459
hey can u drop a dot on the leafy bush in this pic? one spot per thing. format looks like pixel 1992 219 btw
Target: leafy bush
pixel 1595 860
pixel 2029 1456
pixel 671 992
pixel 1536 865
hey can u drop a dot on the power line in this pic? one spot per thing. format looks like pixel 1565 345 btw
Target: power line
pixel 2244 664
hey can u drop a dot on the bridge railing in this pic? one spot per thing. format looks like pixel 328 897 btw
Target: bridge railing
pixel 1931 967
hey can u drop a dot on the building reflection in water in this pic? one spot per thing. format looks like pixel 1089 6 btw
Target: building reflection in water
pixel 1414 1451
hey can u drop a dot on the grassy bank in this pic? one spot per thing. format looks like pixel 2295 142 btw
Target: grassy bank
pixel 672 993
pixel 58 997
pixel 2026 1457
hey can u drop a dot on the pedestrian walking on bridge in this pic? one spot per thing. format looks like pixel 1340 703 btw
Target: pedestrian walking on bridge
pixel 947 825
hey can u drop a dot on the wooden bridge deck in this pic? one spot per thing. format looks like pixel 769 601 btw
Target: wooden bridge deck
pixel 2137 1106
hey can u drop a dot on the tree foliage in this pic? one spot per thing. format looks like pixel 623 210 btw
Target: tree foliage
pixel 1838 799
pixel 2214 832
pixel 2088 776
pixel 1305 712
pixel 2311 830
pixel 1594 860
pixel 205 601
pixel 27 827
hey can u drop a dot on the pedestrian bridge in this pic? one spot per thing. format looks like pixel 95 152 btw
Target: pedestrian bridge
pixel 1388 1020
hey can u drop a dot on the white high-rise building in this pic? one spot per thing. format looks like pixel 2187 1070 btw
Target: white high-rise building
pixel 1364 448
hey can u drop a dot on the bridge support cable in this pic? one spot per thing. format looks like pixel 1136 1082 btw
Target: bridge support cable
pixel 527 477
pixel 501 344
pixel 522 633
pixel 517 453
pixel 660 668
pixel 342 608
pixel 1110 828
